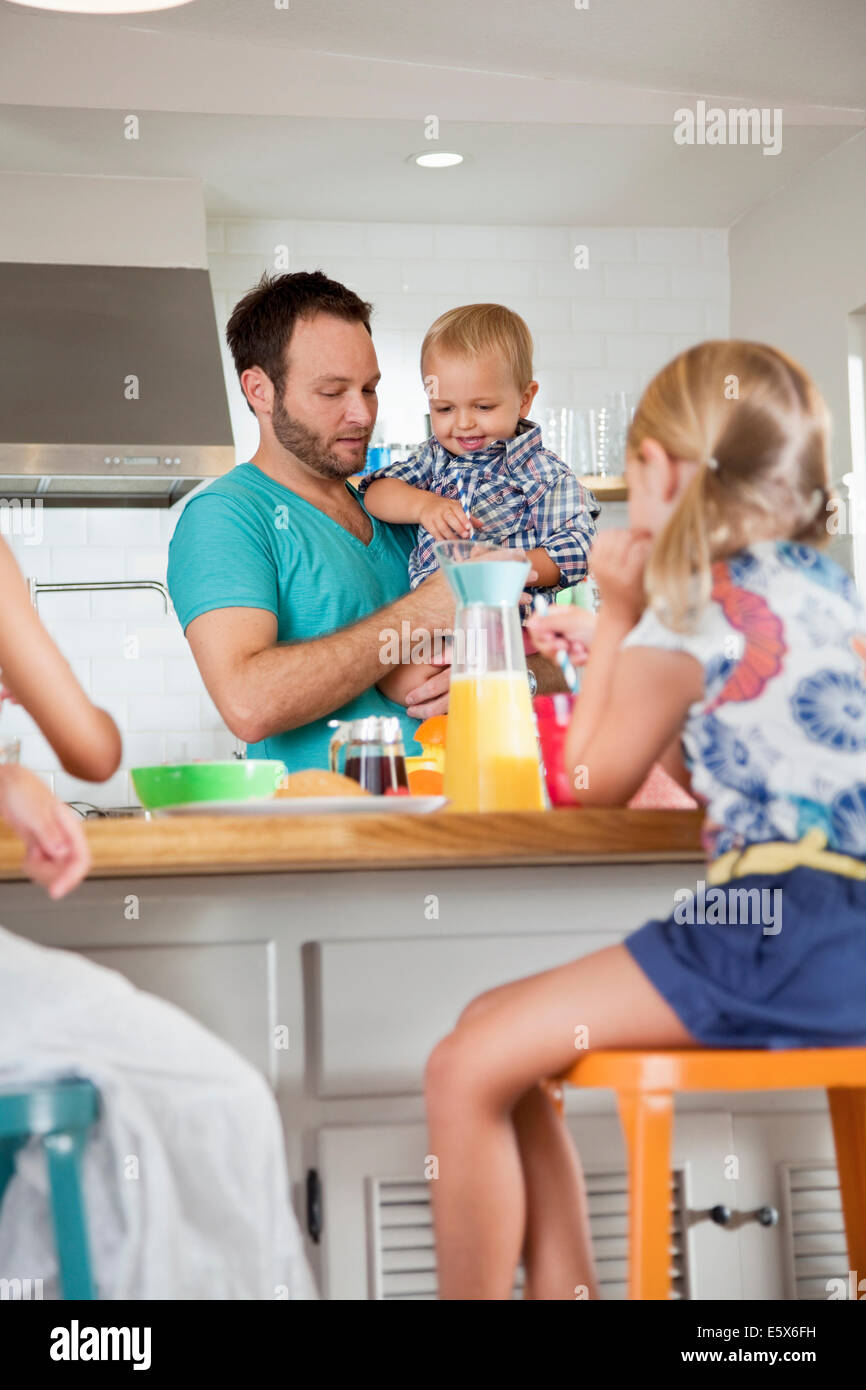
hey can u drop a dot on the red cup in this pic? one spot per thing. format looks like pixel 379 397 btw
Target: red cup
pixel 553 715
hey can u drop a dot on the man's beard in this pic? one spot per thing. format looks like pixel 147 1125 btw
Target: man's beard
pixel 308 446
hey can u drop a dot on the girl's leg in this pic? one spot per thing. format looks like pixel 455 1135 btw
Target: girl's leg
pixel 491 1163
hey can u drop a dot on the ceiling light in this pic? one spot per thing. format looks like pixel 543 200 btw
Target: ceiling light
pixel 102 6
pixel 437 159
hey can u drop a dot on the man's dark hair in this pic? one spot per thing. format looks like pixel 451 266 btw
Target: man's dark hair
pixel 263 321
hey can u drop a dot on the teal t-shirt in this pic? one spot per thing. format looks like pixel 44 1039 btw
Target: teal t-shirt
pixel 248 542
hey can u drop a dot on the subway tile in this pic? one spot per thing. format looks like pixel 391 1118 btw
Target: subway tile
pixel 569 350
pixel 365 275
pixel 134 677
pixel 535 243
pixel 143 750
pixel 157 712
pixel 679 245
pixel 554 391
pixel 412 311
pixel 403 240
pixel 637 281
pixel 165 640
pixel 257 237
pixel 182 676
pixel 568 281
pixel 542 313
pixel 603 315
pixel 434 277
pixel 496 281
pixel 34 561
pixel 36 751
pixel 210 720
pixel 671 315
pixel 64 526
pixel 470 243
pixel 89 562
pixel 590 388
pixel 717 320
pixel 699 282
pixel 111 526
pixel 114 792
pixel 605 244
pixel 56 610
pixel 681 342
pixel 317 239
pixel 641 350
pixel 94 638
pixel 132 605
pixel 187 747
pixel 146 564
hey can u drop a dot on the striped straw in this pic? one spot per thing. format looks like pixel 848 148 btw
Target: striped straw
pixel 540 605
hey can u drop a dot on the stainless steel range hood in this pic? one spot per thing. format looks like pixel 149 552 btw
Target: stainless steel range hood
pixel 111 385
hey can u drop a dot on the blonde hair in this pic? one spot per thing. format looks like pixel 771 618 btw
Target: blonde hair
pixel 758 425
pixel 474 329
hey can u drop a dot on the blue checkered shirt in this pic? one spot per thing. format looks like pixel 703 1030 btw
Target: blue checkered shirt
pixel 522 494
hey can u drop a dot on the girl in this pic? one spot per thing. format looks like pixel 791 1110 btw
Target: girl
pixel 729 648
pixel 210 1216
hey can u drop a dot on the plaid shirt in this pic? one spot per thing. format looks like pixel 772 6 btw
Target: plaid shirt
pixel 522 494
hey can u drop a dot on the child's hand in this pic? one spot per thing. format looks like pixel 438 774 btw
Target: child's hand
pixel 563 628
pixel 445 519
pixel 57 855
pixel 617 562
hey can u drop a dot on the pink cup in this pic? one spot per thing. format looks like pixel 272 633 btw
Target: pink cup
pixel 553 714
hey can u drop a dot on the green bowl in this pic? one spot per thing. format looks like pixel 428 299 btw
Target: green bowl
pixel 236 779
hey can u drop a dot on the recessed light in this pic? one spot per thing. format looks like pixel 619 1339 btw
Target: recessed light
pixel 437 159
pixel 102 6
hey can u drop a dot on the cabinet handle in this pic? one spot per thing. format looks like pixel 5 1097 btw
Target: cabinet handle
pixel 732 1220
pixel 314 1205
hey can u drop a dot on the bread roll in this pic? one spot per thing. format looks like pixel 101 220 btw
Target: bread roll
pixel 315 781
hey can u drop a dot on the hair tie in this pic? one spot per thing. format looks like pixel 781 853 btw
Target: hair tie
pixel 714 464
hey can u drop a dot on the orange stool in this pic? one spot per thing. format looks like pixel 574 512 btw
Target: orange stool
pixel 645 1083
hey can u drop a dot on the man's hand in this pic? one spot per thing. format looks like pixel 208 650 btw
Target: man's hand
pixel 431 697
pixel 57 854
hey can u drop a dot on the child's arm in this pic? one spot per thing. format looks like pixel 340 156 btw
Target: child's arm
pixel 389 499
pixel 632 703
pixel 547 570
pixel 57 854
pixel 37 675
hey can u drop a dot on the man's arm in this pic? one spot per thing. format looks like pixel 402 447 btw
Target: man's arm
pixel 261 687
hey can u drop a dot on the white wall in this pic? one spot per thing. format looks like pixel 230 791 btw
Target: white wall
pixel 798 270
pixel 646 294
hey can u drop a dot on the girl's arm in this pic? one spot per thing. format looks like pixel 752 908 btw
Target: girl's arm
pixel 85 739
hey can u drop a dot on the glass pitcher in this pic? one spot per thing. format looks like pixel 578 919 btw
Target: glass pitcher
pixel 492 761
pixel 374 753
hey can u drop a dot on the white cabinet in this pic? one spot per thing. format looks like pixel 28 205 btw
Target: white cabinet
pixel 377 1237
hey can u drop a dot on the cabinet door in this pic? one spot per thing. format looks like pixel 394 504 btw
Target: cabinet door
pixel 377 1236
pixel 788 1161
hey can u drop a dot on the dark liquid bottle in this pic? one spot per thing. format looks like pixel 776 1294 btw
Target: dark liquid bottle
pixel 377 771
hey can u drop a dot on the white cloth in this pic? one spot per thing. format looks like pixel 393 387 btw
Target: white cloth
pixel 208 1214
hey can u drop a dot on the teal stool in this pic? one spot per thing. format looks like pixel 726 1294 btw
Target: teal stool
pixel 62 1115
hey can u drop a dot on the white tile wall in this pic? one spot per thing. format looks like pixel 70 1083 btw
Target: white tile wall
pixel 646 293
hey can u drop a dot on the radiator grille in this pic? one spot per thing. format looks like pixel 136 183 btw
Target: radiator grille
pixel 818 1248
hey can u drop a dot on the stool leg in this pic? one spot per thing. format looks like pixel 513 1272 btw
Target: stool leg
pixel 63 1153
pixel 848 1113
pixel 647 1122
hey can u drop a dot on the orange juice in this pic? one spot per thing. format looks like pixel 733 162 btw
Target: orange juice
pixel 492 762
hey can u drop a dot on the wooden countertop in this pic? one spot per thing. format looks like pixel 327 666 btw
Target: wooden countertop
pixel 171 846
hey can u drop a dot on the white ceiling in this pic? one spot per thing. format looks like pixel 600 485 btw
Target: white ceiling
pixel 796 51
pixel 344 170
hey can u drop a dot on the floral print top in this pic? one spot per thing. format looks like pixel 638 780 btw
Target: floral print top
pixel 778 743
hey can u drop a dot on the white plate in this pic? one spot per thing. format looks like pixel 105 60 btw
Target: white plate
pixel 309 806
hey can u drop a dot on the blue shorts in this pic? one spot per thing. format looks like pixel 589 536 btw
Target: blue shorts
pixel 785 967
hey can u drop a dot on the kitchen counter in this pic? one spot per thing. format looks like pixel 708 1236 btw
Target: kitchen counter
pixel 173 845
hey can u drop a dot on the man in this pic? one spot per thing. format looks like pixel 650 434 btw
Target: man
pixel 285 586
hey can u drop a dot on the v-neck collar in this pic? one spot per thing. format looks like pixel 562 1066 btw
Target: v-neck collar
pixel 375 541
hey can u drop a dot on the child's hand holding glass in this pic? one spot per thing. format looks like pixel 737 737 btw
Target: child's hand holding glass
pixel 445 519
pixel 563 628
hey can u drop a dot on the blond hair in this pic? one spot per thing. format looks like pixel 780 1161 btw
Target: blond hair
pixel 758 425
pixel 475 329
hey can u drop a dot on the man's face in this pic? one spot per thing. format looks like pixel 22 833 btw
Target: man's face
pixel 329 403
